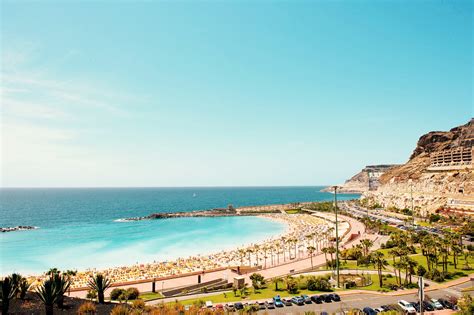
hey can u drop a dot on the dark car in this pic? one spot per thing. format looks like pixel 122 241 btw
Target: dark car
pixel 335 297
pixel 369 311
pixel 427 306
pixel 447 304
pixel 307 299
pixel 326 298
pixel 287 302
pixel 239 306
pixel 388 308
pixel 316 299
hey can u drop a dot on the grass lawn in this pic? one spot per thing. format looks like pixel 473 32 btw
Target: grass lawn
pixel 387 280
pixel 149 296
pixel 352 264
pixel 421 260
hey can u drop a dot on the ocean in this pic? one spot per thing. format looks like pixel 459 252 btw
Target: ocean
pixel 77 227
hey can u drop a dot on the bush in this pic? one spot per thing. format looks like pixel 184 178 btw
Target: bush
pixel 132 293
pixel 87 308
pixel 318 284
pixel 91 294
pixel 116 293
pixel 138 305
pixel 120 310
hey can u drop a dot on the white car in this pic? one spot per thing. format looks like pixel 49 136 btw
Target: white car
pixel 407 307
pixel 208 304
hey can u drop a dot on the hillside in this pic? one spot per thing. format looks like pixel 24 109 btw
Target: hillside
pixel 439 174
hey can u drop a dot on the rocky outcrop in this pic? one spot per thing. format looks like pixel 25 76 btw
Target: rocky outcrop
pixel 431 188
pixel 17 228
pixel 367 179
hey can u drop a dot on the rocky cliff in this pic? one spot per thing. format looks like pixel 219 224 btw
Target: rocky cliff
pixel 367 179
pixel 432 188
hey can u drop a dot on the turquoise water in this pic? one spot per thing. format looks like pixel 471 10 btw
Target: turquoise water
pixel 77 228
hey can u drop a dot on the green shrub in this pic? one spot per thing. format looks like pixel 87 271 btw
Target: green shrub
pixel 132 293
pixel 116 293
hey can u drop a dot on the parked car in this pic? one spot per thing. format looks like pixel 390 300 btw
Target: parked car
pixel 270 305
pixel 261 305
pixel 369 311
pixel 219 306
pixel 326 298
pixel 230 307
pixel 436 304
pixel 316 299
pixel 388 308
pixel 335 297
pixel 287 302
pixel 239 306
pixel 307 299
pixel 379 310
pixel 447 304
pixel 407 307
pixel 209 304
pixel 277 301
pixel 297 300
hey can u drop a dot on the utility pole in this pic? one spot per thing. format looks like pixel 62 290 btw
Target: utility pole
pixel 337 234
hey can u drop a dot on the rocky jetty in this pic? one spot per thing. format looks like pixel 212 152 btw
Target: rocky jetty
pixel 17 228
pixel 432 184
pixel 218 212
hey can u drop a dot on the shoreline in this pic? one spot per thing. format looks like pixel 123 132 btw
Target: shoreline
pixel 215 260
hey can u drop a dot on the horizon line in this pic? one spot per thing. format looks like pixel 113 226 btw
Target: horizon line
pixel 105 187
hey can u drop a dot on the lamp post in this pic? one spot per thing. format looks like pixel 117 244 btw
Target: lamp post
pixel 337 234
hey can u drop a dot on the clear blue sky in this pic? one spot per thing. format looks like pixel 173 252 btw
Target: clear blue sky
pixel 228 92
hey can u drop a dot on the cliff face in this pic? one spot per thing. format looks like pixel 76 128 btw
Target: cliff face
pixel 433 186
pixel 367 179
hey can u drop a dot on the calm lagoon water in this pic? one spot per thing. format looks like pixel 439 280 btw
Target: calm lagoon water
pixel 77 228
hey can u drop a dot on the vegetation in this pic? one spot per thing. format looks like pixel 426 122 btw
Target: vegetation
pixel 466 305
pixel 87 308
pixel 99 284
pixel 48 294
pixel 8 292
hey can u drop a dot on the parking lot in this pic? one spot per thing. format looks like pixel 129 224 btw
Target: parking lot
pixel 350 301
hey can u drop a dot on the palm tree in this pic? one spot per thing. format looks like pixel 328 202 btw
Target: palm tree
pixel 48 294
pixel 8 293
pixel 380 263
pixel 23 288
pixel 367 244
pixel 62 283
pixel 241 255
pixel 249 252
pixel 100 283
pixel 311 250
pixel 276 281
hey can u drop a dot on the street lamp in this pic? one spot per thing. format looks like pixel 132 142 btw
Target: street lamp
pixel 337 234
